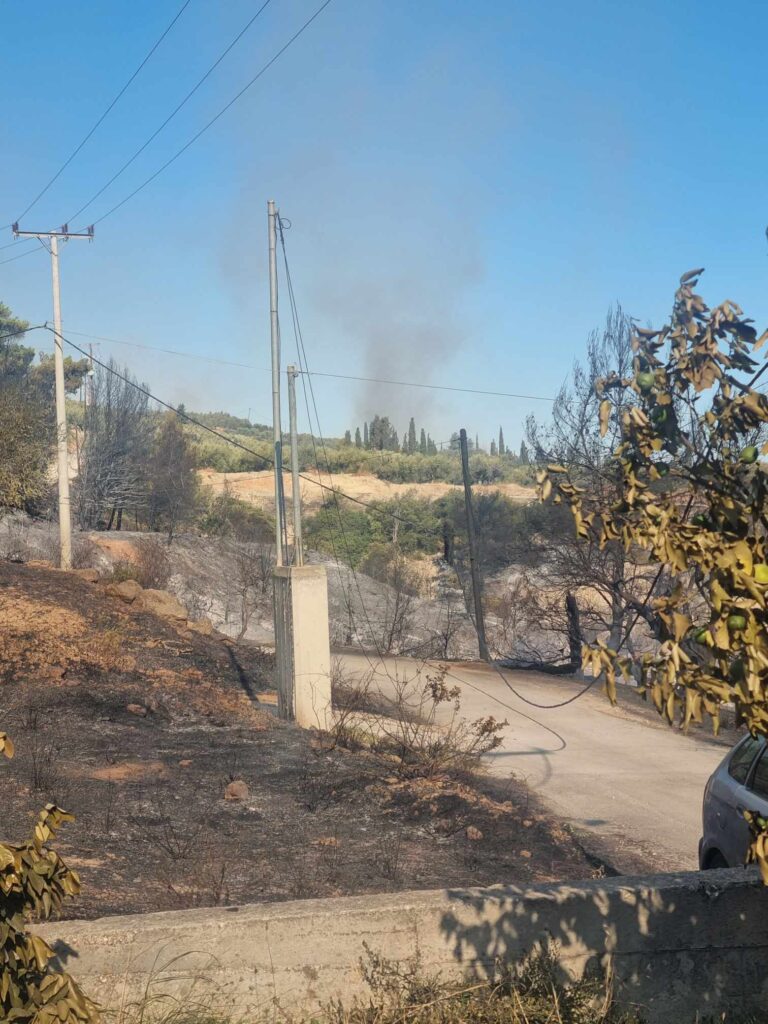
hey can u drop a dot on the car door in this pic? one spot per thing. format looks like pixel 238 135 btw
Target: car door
pixel 757 785
pixel 728 794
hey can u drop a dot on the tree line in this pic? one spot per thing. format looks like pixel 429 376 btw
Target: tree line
pixel 380 435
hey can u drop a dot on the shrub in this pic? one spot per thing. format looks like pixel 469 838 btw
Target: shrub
pixel 152 562
pixel 34 880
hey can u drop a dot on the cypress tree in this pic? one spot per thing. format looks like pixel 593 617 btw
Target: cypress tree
pixel 494 449
pixel 423 442
pixel 477 443
pixel 347 437
pixel 358 439
pixel 366 436
pixel 411 436
pixel 524 456
pixel 502 449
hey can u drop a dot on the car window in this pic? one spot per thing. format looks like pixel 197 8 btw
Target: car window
pixel 743 756
pixel 760 778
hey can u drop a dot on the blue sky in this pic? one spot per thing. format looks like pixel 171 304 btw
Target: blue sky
pixel 470 186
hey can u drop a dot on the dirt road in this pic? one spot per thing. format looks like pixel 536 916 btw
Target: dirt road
pixel 630 785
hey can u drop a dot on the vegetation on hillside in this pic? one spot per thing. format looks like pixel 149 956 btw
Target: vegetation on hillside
pixel 27 422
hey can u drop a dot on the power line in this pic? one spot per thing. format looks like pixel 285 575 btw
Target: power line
pixel 80 145
pixel 336 492
pixel 433 387
pixel 166 351
pixel 312 373
pixel 21 255
pixel 173 113
pixel 268 462
pixel 214 119
pixel 25 330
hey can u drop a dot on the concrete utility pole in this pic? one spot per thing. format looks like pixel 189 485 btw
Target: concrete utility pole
pixel 298 549
pixel 276 427
pixel 65 512
pixel 473 567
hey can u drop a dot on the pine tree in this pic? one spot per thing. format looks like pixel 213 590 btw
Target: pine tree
pixel 502 449
pixel 358 439
pixel 494 449
pixel 423 442
pixel 412 436
pixel 347 437
pixel 525 458
pixel 366 436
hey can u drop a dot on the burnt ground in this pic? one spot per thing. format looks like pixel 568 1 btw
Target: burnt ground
pixel 147 784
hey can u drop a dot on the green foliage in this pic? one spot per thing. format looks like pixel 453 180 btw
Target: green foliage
pixel 27 424
pixel 34 880
pixel 224 515
pixel 689 500
pixel 507 532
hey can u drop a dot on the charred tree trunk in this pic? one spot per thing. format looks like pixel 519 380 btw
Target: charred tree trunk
pixel 575 639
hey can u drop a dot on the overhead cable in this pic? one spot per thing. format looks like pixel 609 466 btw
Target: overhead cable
pixel 101 119
pixel 173 113
pixel 214 119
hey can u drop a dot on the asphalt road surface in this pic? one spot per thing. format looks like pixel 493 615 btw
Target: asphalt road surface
pixel 629 784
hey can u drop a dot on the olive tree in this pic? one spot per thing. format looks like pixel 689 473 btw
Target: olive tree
pixel 693 504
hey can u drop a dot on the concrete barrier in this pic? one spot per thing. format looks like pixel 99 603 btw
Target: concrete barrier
pixel 675 944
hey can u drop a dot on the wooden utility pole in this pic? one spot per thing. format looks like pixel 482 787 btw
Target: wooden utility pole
pixel 65 512
pixel 477 593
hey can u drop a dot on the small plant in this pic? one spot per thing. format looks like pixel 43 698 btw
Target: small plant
pixel 34 880
pixel 122 571
pixel 428 733
pixel 153 564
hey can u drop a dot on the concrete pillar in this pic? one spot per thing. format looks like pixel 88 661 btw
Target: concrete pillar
pixel 302 645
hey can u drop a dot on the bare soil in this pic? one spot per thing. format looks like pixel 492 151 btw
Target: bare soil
pixel 258 488
pixel 138 726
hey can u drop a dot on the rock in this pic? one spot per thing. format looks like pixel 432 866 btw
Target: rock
pixel 185 762
pixel 40 563
pixel 137 709
pixel 160 602
pixel 126 590
pixel 474 834
pixel 204 626
pixel 237 790
pixel 89 575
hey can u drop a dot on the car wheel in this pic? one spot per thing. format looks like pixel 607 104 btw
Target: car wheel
pixel 715 860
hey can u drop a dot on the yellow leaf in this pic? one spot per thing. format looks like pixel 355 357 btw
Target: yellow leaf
pixel 605 416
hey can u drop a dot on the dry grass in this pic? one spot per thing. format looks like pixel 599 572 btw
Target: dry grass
pixel 258 488
pixel 531 993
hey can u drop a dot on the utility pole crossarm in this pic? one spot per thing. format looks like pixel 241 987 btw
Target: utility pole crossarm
pixel 64 233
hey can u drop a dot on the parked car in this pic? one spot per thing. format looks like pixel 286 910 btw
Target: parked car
pixel 739 783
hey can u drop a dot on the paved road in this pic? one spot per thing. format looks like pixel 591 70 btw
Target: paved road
pixel 628 783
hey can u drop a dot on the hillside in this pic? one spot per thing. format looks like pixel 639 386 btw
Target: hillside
pixel 258 488
pixel 138 725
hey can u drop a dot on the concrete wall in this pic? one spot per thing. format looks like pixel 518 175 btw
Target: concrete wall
pixel 677 944
pixel 302 645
